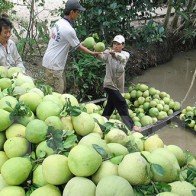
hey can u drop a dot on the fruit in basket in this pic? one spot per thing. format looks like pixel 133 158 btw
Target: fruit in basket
pixel 79 186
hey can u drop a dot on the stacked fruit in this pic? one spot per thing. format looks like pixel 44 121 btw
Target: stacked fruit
pixel 188 116
pixel 147 105
pixel 52 145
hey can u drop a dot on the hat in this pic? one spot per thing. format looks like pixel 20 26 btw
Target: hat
pixel 119 38
pixel 73 5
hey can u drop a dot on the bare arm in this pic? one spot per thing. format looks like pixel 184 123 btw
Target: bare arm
pixel 87 51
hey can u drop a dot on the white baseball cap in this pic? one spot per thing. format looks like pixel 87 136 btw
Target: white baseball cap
pixel 119 38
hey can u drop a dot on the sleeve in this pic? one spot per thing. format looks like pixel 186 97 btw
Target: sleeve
pixel 17 58
pixel 73 39
pixel 123 57
pixel 104 55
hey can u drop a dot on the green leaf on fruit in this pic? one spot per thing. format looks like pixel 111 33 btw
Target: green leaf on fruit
pixel 157 169
pixel 101 151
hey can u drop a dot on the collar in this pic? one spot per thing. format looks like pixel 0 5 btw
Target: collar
pixel 70 21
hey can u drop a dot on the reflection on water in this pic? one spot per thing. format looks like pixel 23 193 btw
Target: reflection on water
pixel 175 78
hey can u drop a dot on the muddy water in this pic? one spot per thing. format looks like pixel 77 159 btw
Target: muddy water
pixel 175 78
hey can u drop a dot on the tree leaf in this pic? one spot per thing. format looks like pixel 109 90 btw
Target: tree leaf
pixel 157 169
pixel 101 151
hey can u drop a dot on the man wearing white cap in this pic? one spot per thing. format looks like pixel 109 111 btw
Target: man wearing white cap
pixel 63 37
pixel 114 80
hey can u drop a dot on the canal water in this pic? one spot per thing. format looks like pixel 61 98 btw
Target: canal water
pixel 175 77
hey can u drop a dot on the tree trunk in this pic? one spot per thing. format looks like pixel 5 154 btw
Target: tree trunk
pixel 167 16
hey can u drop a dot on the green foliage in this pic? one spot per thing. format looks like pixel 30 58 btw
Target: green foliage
pixel 5 6
pixel 85 76
pixel 148 34
pixel 112 17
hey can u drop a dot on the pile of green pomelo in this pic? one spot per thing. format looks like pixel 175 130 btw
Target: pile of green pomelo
pixel 50 144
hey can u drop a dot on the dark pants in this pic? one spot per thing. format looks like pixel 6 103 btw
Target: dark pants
pixel 116 101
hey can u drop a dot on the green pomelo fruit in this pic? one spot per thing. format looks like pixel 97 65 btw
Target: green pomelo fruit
pixel 2 139
pixel 53 99
pixel 8 103
pixel 84 160
pixel 182 188
pixel 168 162
pixel 36 131
pixel 91 139
pixel 15 130
pixel 153 112
pixel 99 47
pixel 13 71
pixel 24 120
pixel 162 115
pixel 98 117
pixel 117 149
pixel 3 158
pixel 83 124
pixel 46 190
pixel 28 86
pixel 12 191
pixel 107 168
pixel 135 169
pixel 32 100
pixel 89 42
pixel 179 154
pixel 2 183
pixel 79 186
pixel 56 170
pixel 91 108
pixel 146 120
pixel 153 142
pixel 54 121
pixel 43 149
pixel 46 109
pixel 3 72
pixel 68 98
pixel 142 87
pixel 5 120
pixel 116 135
pixel 114 185
pixel 5 83
pixel 38 177
pixel 38 91
pixel 21 79
pixel 177 106
pixel 98 130
pixel 167 194
pixel 16 170
pixel 67 123
pixel 16 147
